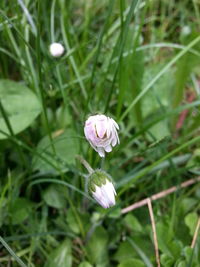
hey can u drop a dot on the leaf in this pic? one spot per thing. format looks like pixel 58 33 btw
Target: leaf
pixel 160 130
pixel 125 251
pixel 181 264
pixel 97 247
pixel 85 264
pixel 61 256
pixel 133 223
pixel 20 104
pixel 156 100
pixel 72 221
pixel 66 148
pixel 194 161
pixel 188 253
pixel 131 262
pixel 184 68
pixel 163 238
pixel 166 260
pixel 176 247
pixel 159 96
pixel 191 221
pixel 20 210
pixel 115 213
pixel 63 117
pixel 188 203
pixel 54 196
pixel 3 211
pixel 132 73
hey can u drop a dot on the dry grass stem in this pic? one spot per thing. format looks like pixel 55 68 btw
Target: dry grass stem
pixel 195 234
pixel 154 231
pixel 160 195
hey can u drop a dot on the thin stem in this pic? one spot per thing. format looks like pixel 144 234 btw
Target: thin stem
pixel 195 234
pixel 85 164
pixel 154 231
pixel 20 262
pixel 160 195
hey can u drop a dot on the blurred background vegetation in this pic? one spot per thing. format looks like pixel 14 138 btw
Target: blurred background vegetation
pixel 134 60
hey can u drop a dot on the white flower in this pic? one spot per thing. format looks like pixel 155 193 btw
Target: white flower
pixel 102 189
pixel 186 30
pixel 101 132
pixel 56 49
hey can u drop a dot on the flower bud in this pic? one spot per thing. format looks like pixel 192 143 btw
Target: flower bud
pixel 56 49
pixel 101 188
pixel 101 133
pixel 186 30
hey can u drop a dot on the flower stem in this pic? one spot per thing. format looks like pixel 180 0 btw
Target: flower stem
pixel 85 164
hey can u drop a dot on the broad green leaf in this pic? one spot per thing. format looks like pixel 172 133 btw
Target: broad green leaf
pixel 61 256
pixel 191 221
pixel 115 213
pixel 157 99
pixel 166 260
pixel 188 253
pixel 160 130
pixel 163 238
pixel 131 262
pixel 159 96
pixel 97 247
pixel 133 223
pixel 124 251
pixel 20 210
pixel 187 204
pixel 54 196
pixel 20 104
pixel 176 247
pixel 63 117
pixel 194 161
pixel 192 255
pixel 181 264
pixel 85 264
pixel 66 147
pixel 72 222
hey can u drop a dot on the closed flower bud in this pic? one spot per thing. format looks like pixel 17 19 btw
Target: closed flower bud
pixel 101 132
pixel 56 49
pixel 186 30
pixel 100 186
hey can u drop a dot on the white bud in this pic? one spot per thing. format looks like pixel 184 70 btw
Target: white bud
pixel 101 133
pixel 102 189
pixel 186 30
pixel 56 49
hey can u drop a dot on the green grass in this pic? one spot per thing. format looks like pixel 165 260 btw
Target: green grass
pixel 134 61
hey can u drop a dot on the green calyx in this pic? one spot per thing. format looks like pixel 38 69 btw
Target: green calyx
pixel 98 178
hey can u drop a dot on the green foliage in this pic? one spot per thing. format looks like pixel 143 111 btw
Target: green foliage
pixel 133 223
pixel 191 221
pixel 20 210
pixel 85 264
pixel 124 252
pixel 59 152
pixel 54 196
pixel 20 105
pixel 136 61
pixel 131 262
pixel 61 256
pixel 97 247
